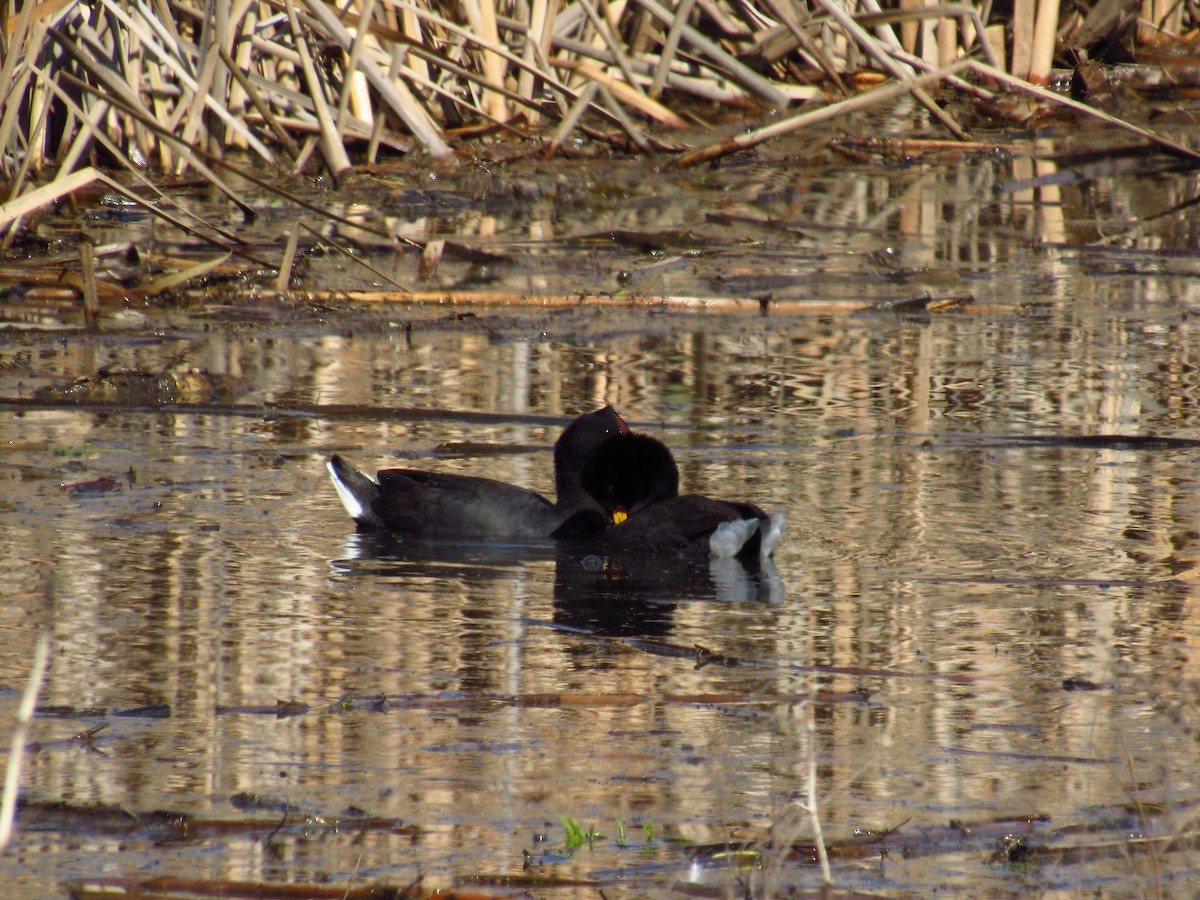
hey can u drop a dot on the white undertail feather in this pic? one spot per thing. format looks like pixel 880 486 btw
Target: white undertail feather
pixel 350 500
pixel 729 538
pixel 772 531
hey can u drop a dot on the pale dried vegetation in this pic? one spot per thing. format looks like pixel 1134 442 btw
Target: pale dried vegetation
pixel 111 91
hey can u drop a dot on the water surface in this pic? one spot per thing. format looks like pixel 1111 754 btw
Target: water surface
pixel 954 556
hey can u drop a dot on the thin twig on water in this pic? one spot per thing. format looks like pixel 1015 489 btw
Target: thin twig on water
pixel 12 774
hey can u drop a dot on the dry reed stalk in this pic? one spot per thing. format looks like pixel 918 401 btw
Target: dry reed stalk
pixel 542 14
pixel 743 75
pixel 178 279
pixel 947 39
pixel 670 46
pixel 1166 144
pixel 888 62
pixel 1024 16
pixel 996 37
pixel 357 98
pixel 215 19
pixel 258 102
pixel 377 130
pixel 909 28
pixel 283 280
pixel 245 13
pixel 652 109
pixel 569 301
pixel 1045 33
pixel 411 29
pixel 21 205
pixel 481 16
pixel 750 305
pixel 394 93
pixel 32 156
pixel 605 32
pixel 570 121
pixel 27 38
pixel 635 133
pixel 333 147
pixel 883 94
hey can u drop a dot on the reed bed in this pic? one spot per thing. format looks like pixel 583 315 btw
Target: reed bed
pixel 164 86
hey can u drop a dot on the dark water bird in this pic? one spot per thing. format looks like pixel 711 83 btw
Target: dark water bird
pixel 635 479
pixel 435 506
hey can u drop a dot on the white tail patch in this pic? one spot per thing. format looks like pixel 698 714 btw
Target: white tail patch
pixel 772 531
pixel 354 504
pixel 730 537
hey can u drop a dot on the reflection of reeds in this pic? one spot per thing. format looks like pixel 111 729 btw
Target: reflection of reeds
pixel 177 83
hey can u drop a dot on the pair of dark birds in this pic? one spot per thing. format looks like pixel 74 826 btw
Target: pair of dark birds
pixel 613 485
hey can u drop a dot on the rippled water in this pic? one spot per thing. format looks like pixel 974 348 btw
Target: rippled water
pixel 953 555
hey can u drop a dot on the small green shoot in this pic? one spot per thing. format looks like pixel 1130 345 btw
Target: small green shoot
pixel 576 836
pixel 574 832
pixel 621 841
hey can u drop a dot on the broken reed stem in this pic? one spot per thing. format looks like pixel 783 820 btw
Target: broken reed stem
pixel 12 774
pixel 87 266
pixel 283 281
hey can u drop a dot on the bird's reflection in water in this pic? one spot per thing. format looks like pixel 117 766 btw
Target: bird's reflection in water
pixel 607 594
pixel 380 553
pixel 622 595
